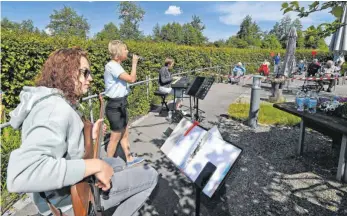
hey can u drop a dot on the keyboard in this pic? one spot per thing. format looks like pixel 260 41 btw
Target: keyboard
pixel 183 82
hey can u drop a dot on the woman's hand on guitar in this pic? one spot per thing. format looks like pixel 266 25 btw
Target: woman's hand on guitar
pixel 96 128
pixel 104 176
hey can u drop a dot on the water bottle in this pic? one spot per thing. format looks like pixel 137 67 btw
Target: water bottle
pixel 307 100
pixel 300 101
pixel 169 116
pixel 312 105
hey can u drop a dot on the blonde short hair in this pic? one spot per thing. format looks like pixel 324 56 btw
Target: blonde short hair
pixel 115 48
pixel 169 61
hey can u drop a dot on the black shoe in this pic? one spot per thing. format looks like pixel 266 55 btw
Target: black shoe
pixel 328 90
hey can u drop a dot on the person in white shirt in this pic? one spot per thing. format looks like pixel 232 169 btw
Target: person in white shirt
pixel 117 89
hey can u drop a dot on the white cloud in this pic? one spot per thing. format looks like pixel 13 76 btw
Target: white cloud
pixel 48 31
pixel 174 10
pixel 234 13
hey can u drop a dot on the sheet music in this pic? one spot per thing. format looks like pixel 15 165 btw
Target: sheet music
pixel 179 147
pixel 191 153
pixel 220 153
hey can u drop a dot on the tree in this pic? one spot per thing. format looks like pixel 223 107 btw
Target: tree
pixel 197 23
pixel 157 32
pixel 282 29
pixel 297 24
pixel 270 41
pixel 236 42
pixel 7 24
pixel 176 33
pixel 219 43
pixel 250 32
pixel 109 32
pixel 325 29
pixel 131 14
pixel 312 39
pixel 300 41
pixel 67 22
pixel 25 25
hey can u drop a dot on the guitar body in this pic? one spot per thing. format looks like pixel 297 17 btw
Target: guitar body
pixel 82 198
pixel 85 195
pixel 81 193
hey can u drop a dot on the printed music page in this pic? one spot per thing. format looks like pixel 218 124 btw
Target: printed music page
pixel 179 147
pixel 215 150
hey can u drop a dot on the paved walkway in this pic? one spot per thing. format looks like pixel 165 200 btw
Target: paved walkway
pixel 268 179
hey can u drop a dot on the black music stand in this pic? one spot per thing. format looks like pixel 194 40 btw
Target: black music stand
pixel 198 89
pixel 206 172
pixel 201 182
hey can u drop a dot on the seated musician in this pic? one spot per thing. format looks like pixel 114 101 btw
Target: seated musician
pixel 50 157
pixel 165 80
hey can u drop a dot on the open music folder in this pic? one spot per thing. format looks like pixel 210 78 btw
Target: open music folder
pixel 191 147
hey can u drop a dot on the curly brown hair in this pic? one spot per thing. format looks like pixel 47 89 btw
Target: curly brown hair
pixel 59 71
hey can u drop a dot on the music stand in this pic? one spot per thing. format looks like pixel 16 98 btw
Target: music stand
pixel 199 89
pixel 188 145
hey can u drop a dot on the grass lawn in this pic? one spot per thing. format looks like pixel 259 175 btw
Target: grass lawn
pixel 268 114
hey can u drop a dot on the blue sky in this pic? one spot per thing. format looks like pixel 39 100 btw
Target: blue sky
pixel 222 19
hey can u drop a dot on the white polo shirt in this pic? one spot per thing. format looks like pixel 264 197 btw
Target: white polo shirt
pixel 115 87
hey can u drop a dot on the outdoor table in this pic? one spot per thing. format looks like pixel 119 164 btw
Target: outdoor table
pixel 332 126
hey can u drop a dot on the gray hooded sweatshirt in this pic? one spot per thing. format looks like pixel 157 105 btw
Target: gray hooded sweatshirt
pixel 50 156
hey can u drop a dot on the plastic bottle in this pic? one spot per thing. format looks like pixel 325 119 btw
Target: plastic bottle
pixel 300 101
pixel 307 100
pixel 169 116
pixel 312 105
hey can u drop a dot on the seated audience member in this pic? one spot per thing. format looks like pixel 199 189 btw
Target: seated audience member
pixel 313 68
pixel 301 67
pixel 239 70
pixel 264 68
pixel 328 72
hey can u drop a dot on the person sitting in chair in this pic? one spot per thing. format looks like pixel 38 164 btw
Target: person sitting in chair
pixel 237 72
pixel 313 68
pixel 328 72
pixel 264 68
pixel 301 67
pixel 165 80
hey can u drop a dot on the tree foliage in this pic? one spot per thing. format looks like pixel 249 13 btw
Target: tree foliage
pixel 282 28
pixel 24 26
pixel 188 33
pixel 270 41
pixel 109 32
pixel 67 22
pixel 325 29
pixel 131 15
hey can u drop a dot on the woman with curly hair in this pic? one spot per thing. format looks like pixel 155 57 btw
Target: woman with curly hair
pixel 50 159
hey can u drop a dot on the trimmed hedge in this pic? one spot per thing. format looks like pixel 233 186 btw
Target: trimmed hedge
pixel 23 55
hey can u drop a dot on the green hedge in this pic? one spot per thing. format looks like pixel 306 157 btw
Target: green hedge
pixel 22 57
